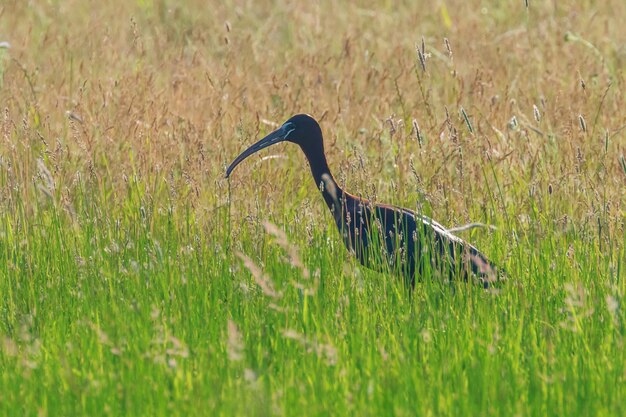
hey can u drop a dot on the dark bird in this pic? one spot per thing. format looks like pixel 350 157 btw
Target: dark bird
pixel 381 236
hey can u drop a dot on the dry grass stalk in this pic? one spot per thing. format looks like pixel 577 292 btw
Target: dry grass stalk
pixel 292 251
pixel 261 279
pixel 577 307
pixel 235 344
pixel 325 351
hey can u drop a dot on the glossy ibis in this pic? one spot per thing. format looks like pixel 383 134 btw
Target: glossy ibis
pixel 380 235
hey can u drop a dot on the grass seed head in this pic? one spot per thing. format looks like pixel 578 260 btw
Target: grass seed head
pixel 582 123
pixel 467 120
pixel 448 47
pixel 421 58
pixel 536 113
pixel 418 133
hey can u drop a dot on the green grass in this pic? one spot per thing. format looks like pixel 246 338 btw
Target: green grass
pixel 126 313
pixel 136 280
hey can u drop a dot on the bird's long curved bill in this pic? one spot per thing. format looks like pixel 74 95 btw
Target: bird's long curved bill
pixel 274 137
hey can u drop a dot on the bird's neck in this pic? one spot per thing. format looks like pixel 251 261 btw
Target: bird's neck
pixel 325 182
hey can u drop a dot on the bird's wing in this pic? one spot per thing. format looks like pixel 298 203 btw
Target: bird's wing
pixel 479 263
pixel 438 227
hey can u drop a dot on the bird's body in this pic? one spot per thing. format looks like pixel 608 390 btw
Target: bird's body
pixel 385 237
pixel 382 237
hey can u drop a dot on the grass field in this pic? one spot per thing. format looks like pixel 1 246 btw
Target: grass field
pixel 136 280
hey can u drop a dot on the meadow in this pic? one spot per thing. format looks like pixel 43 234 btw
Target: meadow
pixel 136 280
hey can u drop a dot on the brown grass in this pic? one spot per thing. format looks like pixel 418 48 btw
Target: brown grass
pixel 164 95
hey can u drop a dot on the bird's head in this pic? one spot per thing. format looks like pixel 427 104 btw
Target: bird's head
pixel 301 129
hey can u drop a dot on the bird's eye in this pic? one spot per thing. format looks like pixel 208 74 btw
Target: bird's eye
pixel 288 128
